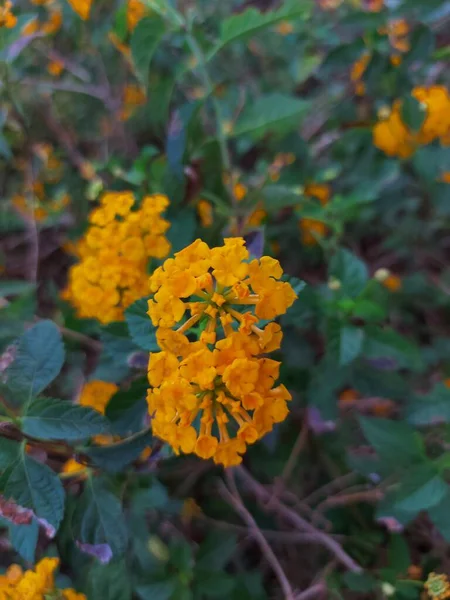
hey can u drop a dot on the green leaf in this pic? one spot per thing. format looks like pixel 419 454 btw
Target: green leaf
pixel 213 584
pixel 127 408
pixel 142 331
pixel 99 518
pixel 360 582
pixel 246 24
pixel 110 582
pixel 421 489
pixel 430 162
pixel 440 515
pixel 5 150
pixel 393 439
pixel 388 344
pixel 413 115
pixel 144 42
pixel 182 228
pixel 177 137
pixel 39 359
pixel 34 485
pixel 351 340
pixel 117 456
pixel 216 551
pixel 350 270
pixel 160 590
pixel 15 288
pixel 24 539
pixel 273 112
pixel 51 419
pixel 430 408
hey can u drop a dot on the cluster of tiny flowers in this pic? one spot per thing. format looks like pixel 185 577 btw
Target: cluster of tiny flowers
pixel 114 255
pixel 215 396
pixel 395 138
pixel 35 584
pixel 437 586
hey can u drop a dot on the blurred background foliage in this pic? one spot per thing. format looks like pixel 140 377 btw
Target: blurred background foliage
pixel 255 119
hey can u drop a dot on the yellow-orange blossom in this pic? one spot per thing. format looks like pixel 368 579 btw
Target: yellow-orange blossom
pixel 34 584
pixel 215 396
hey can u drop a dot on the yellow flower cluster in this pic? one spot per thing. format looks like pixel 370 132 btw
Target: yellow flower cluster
pixel 437 586
pixel 7 19
pixel 34 584
pixel 81 7
pixel 222 386
pixel 395 138
pixel 114 255
pixel 311 229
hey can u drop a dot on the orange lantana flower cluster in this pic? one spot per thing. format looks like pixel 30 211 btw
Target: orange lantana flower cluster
pixel 114 255
pixel 35 584
pixel 395 138
pixel 216 395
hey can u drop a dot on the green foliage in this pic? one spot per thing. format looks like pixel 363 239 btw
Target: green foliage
pixel 255 119
pixel 39 359
pixel 51 419
pixel 35 486
pixel 144 42
pixel 99 518
pixel 271 113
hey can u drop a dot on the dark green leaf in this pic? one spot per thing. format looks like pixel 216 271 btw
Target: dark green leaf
pixel 39 359
pixel 360 582
pixel 388 344
pixel 421 489
pixel 140 326
pixel 51 419
pixel 251 21
pixel 216 551
pixel 160 590
pixel 350 270
pixel 413 114
pixel 144 41
pixel 110 582
pixel 177 137
pixel 430 408
pixel 213 584
pixel 127 409
pixel 182 228
pixel 274 112
pixel 115 457
pixel 440 515
pixel 15 288
pixel 99 518
pixel 34 485
pixel 351 339
pixel 24 539
pixel 394 438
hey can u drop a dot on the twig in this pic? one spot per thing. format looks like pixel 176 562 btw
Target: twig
pixel 83 339
pixel 284 537
pixel 296 450
pixel 324 539
pixel 235 500
pixel 332 486
pixel 312 592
